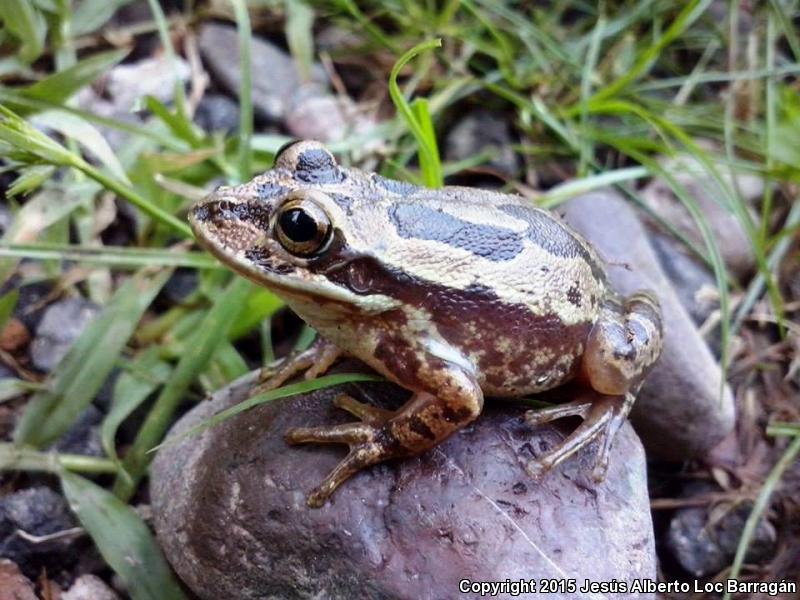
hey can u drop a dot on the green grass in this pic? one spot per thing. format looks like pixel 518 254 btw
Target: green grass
pixel 603 94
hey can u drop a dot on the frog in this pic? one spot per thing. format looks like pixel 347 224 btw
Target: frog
pixel 456 294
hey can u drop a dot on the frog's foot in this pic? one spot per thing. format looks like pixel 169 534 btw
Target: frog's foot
pixel 312 362
pixel 422 423
pixel 602 419
pixel 367 447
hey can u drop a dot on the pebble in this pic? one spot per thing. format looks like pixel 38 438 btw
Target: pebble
pixel 61 324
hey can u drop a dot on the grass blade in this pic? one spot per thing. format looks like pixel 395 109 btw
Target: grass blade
pixel 23 458
pixel 422 130
pixel 210 334
pixel 59 86
pixel 302 387
pixel 115 256
pixel 26 24
pixel 145 373
pixel 123 539
pixel 245 90
pixel 79 376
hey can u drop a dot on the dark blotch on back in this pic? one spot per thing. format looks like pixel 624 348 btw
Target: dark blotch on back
pixel 574 295
pixel 317 166
pixel 415 221
pixel 548 233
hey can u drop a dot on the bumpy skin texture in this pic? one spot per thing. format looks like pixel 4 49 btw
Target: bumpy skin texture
pixel 451 293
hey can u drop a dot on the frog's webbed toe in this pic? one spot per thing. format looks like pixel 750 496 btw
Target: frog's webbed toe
pixel 602 418
pixel 312 362
pixel 366 448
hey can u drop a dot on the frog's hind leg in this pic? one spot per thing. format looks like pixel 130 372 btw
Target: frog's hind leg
pixel 423 422
pixel 602 418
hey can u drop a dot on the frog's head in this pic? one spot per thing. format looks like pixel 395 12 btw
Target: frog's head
pixel 289 228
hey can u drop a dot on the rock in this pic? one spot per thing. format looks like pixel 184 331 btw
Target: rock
pixel 705 543
pixel 6 218
pixel 84 435
pixel 13 584
pixel 30 305
pixel 480 131
pixel 329 118
pixel 118 92
pixel 61 324
pixel 229 507
pixel 217 112
pixel 36 511
pixel 89 587
pixel 679 413
pixel 181 284
pixel 694 284
pixel 734 243
pixel 275 76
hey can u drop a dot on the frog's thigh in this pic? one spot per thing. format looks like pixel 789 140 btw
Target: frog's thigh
pixel 623 344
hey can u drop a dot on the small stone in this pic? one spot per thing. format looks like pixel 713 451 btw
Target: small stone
pixel 89 587
pixel 84 435
pixel 14 335
pixel 62 324
pixel 478 132
pixel 13 584
pixel 731 237
pixel 180 285
pixel 705 543
pixel 275 76
pixel 229 507
pixel 322 116
pixel 678 413
pixel 36 511
pixel 30 305
pixel 217 112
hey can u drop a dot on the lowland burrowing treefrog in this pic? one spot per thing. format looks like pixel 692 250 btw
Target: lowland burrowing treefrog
pixel 454 293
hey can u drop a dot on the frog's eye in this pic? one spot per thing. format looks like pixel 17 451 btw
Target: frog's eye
pixel 303 227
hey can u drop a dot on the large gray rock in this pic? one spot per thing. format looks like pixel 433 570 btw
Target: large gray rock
pixel 680 412
pixel 229 508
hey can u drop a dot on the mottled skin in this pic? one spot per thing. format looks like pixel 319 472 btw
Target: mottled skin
pixel 451 293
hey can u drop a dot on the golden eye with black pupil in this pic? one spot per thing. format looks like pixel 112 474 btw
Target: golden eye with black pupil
pixel 302 227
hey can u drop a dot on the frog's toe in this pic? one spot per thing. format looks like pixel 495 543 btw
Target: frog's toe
pixel 365 449
pixel 313 361
pixel 359 457
pixel 347 433
pixel 540 416
pixel 372 415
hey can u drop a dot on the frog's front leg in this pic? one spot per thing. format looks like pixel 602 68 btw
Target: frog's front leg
pixel 450 398
pixel 621 348
pixel 312 362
